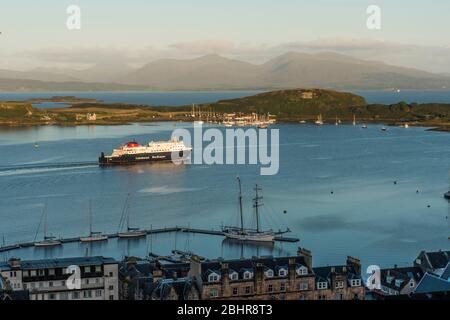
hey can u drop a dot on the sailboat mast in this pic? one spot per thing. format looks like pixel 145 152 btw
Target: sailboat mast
pixel 240 204
pixel 256 205
pixel 90 217
pixel 128 212
pixel 45 222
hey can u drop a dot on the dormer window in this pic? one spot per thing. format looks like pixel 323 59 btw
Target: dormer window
pixel 322 285
pixel 248 275
pixel 398 282
pixel 356 282
pixel 269 273
pixel 302 271
pixel 339 284
pixel 282 272
pixel 213 277
pixel 234 276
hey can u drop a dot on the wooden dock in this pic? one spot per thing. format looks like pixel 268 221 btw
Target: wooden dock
pixel 211 232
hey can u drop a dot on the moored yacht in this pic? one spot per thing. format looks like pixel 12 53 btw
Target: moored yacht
pixel 252 235
pixel 93 236
pixel 48 241
pixel 129 232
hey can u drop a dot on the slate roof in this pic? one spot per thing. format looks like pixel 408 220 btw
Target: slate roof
pixel 402 274
pixel 446 274
pixel 181 286
pixel 323 274
pixel 242 265
pixel 439 259
pixel 59 263
pixel 431 283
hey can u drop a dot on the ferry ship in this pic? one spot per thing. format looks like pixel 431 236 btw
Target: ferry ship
pixel 133 152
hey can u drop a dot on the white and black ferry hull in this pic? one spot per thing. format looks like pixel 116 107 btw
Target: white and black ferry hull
pixel 142 158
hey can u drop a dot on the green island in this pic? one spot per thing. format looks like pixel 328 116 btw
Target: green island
pixel 288 106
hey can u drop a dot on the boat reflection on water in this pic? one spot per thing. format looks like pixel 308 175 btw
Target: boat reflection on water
pixel 151 167
pixel 236 248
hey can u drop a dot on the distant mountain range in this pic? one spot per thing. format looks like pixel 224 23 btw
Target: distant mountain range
pixel 213 72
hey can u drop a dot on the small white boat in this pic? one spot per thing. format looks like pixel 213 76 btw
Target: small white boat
pixel 303 122
pixel 132 233
pixel 383 129
pixel 364 126
pixel 48 242
pixel 319 120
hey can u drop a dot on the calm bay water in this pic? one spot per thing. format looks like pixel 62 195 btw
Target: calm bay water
pixel 336 184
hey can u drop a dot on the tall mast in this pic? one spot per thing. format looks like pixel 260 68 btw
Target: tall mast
pixel 45 221
pixel 128 212
pixel 90 217
pixel 240 204
pixel 256 205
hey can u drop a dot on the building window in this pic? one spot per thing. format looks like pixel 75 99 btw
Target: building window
pixel 98 269
pixel 25 286
pixel 111 287
pixel 322 285
pixel 64 296
pixel 86 281
pixel 214 293
pixel 234 276
pixel 41 272
pixel 302 271
pixel 282 272
pixel 50 284
pixel 411 284
pixel 98 293
pixel 75 295
pixel 111 297
pixel 51 272
pixel 213 277
pixel 26 273
pixel 339 284
pixel 303 286
pixel 235 291
pixel 51 296
pixel 33 273
pixel 111 274
pixel 248 290
pixel 248 275
pixel 269 273
pixel 282 286
pixel 270 288
pixel 87 294
pixel 356 282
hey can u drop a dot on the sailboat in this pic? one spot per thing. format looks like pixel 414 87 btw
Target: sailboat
pixel 48 240
pixel 319 120
pixel 129 232
pixel 93 236
pixel 354 120
pixel 251 235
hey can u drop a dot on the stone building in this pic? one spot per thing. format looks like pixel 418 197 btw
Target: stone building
pixel 285 278
pixel 47 279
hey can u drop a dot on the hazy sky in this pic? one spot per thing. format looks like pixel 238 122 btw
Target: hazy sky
pixel 34 33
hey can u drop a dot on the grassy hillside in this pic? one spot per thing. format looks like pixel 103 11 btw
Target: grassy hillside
pixel 293 104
